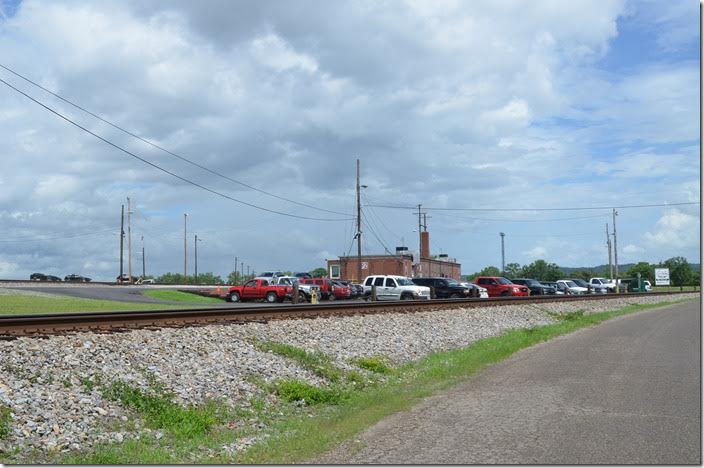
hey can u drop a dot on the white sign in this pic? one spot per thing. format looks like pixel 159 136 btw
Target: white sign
pixel 365 265
pixel 662 277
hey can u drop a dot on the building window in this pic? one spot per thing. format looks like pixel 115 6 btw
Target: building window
pixel 334 271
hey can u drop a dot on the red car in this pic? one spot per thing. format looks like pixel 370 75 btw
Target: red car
pixel 339 291
pixel 258 289
pixel 500 286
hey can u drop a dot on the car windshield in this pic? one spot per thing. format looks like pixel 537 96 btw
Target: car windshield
pixel 581 282
pixel 532 282
pixel 405 282
pixel 451 282
pixel 503 280
pixel 571 284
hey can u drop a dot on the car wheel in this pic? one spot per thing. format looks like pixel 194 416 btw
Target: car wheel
pixel 455 296
pixel 271 297
pixel 233 297
pixel 406 297
pixel 504 293
pixel 332 297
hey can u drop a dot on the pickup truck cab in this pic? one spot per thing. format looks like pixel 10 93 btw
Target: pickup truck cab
pixel 602 285
pixel 394 288
pixel 444 287
pixel 258 289
pixel 500 286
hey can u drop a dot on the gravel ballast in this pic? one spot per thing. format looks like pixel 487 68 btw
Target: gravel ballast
pixel 46 382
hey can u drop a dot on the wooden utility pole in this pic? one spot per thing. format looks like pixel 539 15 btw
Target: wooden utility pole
pixel 608 246
pixel 615 213
pixel 359 230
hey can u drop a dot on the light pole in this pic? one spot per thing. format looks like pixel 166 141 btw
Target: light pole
pixel 503 264
pixel 129 240
pixel 359 228
pixel 185 271
pixel 195 242
pixel 122 240
pixel 144 269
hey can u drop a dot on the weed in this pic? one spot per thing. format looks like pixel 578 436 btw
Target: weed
pixel 5 420
pixel 378 364
pixel 90 382
pixel 162 413
pixel 67 383
pixel 318 363
pixel 292 390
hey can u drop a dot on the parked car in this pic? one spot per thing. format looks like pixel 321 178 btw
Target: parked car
pixel 43 277
pixel 339 290
pixel 76 278
pixel 500 286
pixel 394 288
pixel 357 290
pixel 480 292
pixel 583 284
pixel 270 274
pixel 536 287
pixel 553 285
pixel 570 287
pixel 601 283
pixel 303 275
pixel 324 284
pixel 123 279
pixel 444 287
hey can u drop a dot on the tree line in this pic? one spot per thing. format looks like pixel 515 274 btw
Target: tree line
pixel 216 280
pixel 681 273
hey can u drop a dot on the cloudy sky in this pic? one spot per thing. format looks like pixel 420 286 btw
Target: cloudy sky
pixel 472 109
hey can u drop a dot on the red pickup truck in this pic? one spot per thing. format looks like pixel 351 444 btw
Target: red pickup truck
pixel 500 286
pixel 258 289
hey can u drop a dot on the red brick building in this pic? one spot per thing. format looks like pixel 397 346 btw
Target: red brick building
pixel 401 264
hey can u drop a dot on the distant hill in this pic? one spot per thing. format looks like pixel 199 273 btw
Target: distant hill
pixel 622 267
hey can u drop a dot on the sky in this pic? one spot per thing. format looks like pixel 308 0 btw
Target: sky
pixel 251 116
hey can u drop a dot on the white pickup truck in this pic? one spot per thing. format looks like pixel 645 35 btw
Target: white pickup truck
pixel 304 289
pixel 602 285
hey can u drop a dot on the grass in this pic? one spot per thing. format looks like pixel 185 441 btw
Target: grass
pixel 676 289
pixel 297 433
pixel 180 296
pixel 318 363
pixel 5 421
pixel 27 304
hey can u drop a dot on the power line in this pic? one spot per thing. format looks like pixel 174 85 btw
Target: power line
pixel 195 184
pixel 519 220
pixel 65 236
pixel 144 140
pixel 582 208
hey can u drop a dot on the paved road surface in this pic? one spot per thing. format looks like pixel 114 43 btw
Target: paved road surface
pixel 626 391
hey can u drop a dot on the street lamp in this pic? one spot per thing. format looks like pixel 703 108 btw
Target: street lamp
pixel 196 252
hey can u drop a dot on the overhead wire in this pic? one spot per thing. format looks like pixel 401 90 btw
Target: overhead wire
pixel 154 145
pixel 55 238
pixel 166 171
pixel 582 208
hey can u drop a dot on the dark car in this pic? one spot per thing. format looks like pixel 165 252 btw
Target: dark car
pixel 536 287
pixel 76 278
pixel 52 278
pixel 444 287
pixel 303 275
pixel 37 277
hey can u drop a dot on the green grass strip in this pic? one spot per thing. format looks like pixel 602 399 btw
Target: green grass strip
pixel 28 304
pixel 319 363
pixel 5 421
pixel 180 296
pixel 299 439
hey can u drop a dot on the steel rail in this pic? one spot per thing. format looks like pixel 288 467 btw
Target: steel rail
pixel 52 324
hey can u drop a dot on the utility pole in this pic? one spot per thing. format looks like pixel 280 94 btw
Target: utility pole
pixel 359 230
pixel 608 246
pixel 242 268
pixel 129 240
pixel 195 243
pixel 144 269
pixel 615 213
pixel 235 269
pixel 503 264
pixel 185 271
pixel 122 239
pixel 420 242
pixel 247 271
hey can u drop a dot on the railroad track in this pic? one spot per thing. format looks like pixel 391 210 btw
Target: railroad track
pixel 42 325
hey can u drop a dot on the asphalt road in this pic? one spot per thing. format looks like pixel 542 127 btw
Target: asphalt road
pixel 627 391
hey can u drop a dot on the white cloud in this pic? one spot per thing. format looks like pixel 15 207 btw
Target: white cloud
pixel 674 230
pixel 536 252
